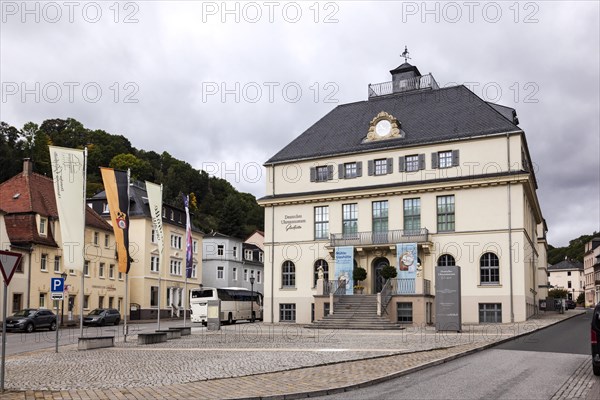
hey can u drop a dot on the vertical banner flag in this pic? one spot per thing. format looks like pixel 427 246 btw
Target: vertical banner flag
pixel 155 200
pixel 68 173
pixel 406 260
pixel 188 238
pixel 344 266
pixel 116 186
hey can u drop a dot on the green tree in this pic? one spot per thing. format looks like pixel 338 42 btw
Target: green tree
pixel 359 274
pixel 140 169
pixel 558 293
pixel 389 272
pixel 232 218
pixel 580 298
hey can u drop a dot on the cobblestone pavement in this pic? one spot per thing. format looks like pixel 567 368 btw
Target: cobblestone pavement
pixel 581 385
pixel 251 360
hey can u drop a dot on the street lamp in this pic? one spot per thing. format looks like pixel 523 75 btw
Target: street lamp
pixel 62 307
pixel 252 298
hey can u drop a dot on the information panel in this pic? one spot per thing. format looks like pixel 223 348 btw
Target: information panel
pixel 447 299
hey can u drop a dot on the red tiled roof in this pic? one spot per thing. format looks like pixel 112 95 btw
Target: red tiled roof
pixel 22 229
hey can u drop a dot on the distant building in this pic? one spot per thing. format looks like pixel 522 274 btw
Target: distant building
pixel 229 262
pixel 568 275
pixel 30 226
pixel 256 238
pixel 146 266
pixel 591 265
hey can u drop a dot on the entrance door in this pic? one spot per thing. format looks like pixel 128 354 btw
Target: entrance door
pixel 379 264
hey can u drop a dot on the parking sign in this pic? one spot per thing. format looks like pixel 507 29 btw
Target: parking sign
pixel 57 285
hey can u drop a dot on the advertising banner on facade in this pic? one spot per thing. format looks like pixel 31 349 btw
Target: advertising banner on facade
pixel 344 264
pixel 68 174
pixel 406 261
pixel 154 192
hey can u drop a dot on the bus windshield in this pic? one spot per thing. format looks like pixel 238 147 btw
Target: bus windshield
pixel 196 294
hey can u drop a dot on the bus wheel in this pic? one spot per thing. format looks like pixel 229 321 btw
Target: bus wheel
pixel 230 320
pixel 253 319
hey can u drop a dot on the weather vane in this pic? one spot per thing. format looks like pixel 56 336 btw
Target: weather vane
pixel 405 54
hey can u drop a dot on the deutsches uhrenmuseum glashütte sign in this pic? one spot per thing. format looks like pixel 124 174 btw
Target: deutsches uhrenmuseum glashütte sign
pixel 293 222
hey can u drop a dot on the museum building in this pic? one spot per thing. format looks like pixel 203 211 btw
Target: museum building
pixel 415 177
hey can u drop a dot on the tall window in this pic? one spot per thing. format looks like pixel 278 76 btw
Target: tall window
pixel 86 301
pixel 246 275
pixel 111 271
pixel 444 159
pixel 380 216
pixel 490 312
pixel 321 222
pixel 106 240
pixel 100 301
pixel 44 262
pixel 43 222
pixel 154 296
pixel 96 238
pixel 101 270
pixel 349 219
pixel 446 260
pixel 176 241
pixel 175 267
pixel 489 267
pixel 412 216
pixel 411 163
pixel 381 166
pixel 220 250
pixel 322 173
pixel 195 246
pixel 42 300
pixel 56 263
pixel 154 264
pixel 323 264
pixel 234 273
pixel 288 274
pixel 287 312
pixel 350 170
pixel 220 273
pixel 260 256
pixel 194 270
pixel 258 278
pixel 86 268
pixel 445 213
pixel 153 236
pixel 234 252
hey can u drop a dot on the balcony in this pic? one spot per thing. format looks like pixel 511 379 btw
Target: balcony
pixel 416 83
pixel 379 238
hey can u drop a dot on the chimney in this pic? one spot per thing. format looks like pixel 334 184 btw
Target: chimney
pixel 27 166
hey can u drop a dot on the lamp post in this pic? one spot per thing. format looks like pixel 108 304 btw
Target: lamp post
pixel 252 298
pixel 62 307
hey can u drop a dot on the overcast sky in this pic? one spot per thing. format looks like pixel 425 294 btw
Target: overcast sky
pixel 225 87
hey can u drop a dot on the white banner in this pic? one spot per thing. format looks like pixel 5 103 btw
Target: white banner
pixel 154 192
pixel 68 172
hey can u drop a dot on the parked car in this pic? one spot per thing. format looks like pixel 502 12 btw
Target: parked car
pixel 102 316
pixel 30 319
pixel 595 335
pixel 571 304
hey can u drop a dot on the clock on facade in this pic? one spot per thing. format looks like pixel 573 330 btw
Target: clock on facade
pixel 384 126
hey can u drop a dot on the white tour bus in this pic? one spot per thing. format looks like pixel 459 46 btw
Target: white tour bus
pixel 235 304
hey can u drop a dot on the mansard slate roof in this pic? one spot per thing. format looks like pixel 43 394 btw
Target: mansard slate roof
pixel 426 116
pixel 566 264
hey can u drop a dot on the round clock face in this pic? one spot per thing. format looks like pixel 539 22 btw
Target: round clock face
pixel 383 127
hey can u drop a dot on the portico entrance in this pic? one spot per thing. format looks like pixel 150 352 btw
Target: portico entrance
pixel 379 281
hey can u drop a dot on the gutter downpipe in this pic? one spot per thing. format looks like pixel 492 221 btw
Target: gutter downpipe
pixel 510 257
pixel 273 248
pixel 29 275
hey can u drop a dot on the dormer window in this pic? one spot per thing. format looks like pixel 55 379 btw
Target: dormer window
pixel 43 226
pixel 248 254
pixel 105 209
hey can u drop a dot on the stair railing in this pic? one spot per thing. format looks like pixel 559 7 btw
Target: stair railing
pixel 384 297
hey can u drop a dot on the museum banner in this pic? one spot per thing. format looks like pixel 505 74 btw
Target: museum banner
pixel 406 260
pixel 344 265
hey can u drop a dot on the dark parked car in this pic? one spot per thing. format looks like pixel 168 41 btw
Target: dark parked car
pixel 102 316
pixel 571 304
pixel 595 335
pixel 30 319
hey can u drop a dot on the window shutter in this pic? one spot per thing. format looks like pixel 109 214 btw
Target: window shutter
pixel 341 171
pixel 390 165
pixel 359 168
pixel 313 174
pixel 371 167
pixel 421 161
pixel 455 158
pixel 401 164
pixel 329 172
pixel 434 160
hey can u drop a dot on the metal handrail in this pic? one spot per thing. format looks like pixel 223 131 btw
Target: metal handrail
pixel 337 287
pixel 386 294
pixel 385 237
pixel 416 83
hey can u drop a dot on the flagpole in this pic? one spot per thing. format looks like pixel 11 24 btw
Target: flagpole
pixel 127 308
pixel 85 151
pixel 160 262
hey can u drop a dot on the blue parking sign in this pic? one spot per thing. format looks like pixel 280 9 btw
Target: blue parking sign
pixel 57 285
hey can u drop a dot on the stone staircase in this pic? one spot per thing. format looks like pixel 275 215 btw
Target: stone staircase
pixel 355 312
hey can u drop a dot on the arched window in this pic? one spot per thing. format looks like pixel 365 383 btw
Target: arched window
pixel 321 263
pixel 288 274
pixel 446 260
pixel 489 269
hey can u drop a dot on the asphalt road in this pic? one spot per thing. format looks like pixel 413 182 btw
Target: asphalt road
pixel 532 367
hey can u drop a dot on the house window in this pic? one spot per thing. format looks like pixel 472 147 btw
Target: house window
pixel 105 209
pixel 111 302
pixel 288 274
pixel 120 275
pixel 569 284
pixel 86 268
pixel 234 252
pixel 490 312
pixel 411 163
pixel 445 159
pixel 322 173
pixel 380 216
pixel 172 215
pixel 106 240
pixel 412 216
pixel 42 300
pixel 350 170
pixel 246 275
pixel 176 241
pixel 86 302
pixel 175 267
pixel 71 271
pixel 195 246
pixel 194 270
pixel 321 222
pixel 248 254
pixel 153 236
pixel 154 296
pixel 220 273
pixel 568 273
pixel 489 267
pixel 43 223
pixel 325 266
pixel 234 273
pixel 100 301
pixel 56 263
pixel 154 264
pixel 326 308
pixel 287 312
pixel 349 219
pixel 17 302
pixel 260 256
pixel 220 250
pixel 44 262
pixel 258 279
pixel 381 166
pixel 101 270
pixel 405 313
pixel 445 213
pixel 446 260
pixel 96 238
pixel 111 271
